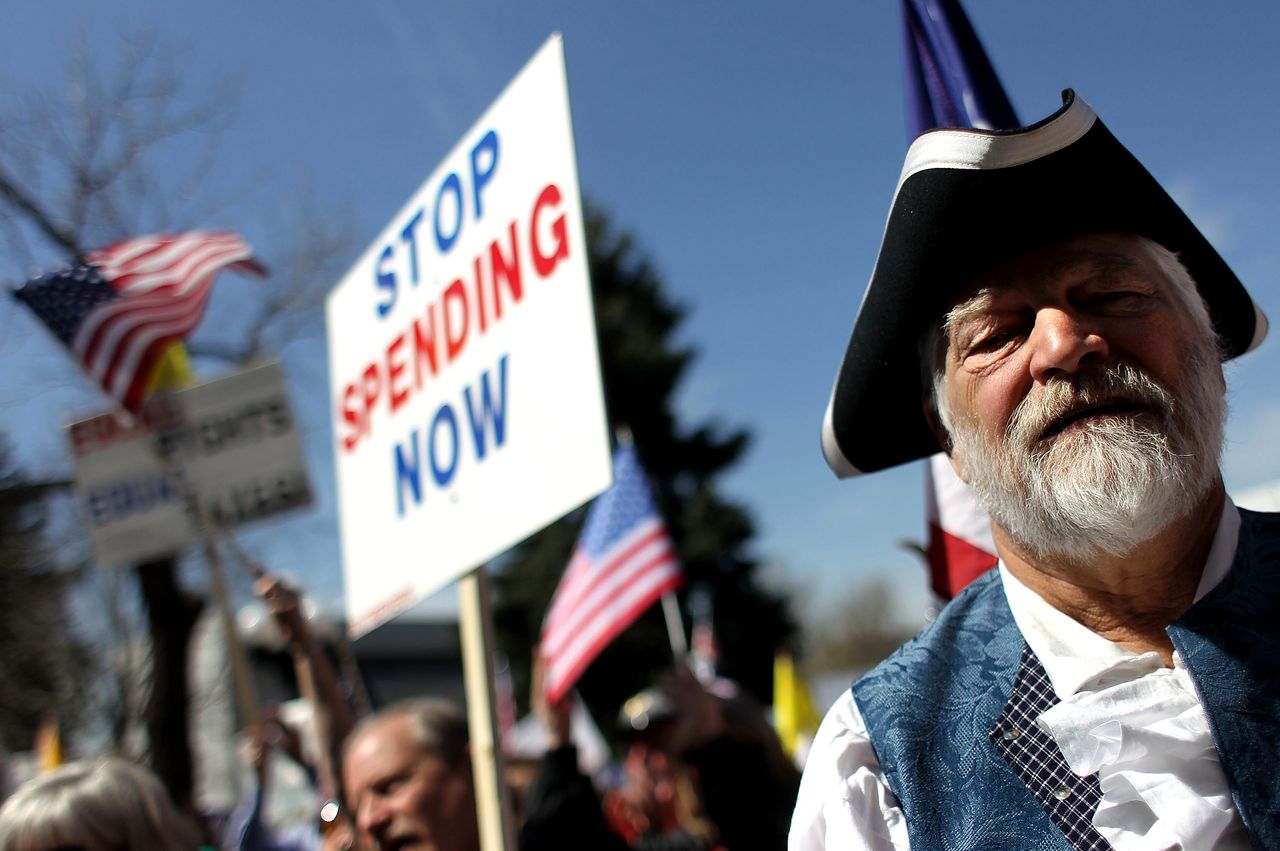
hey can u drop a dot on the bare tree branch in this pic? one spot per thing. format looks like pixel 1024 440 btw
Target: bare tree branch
pixel 98 161
pixel 33 213
pixel 131 144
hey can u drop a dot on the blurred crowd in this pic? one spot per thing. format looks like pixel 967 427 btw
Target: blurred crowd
pixel 697 768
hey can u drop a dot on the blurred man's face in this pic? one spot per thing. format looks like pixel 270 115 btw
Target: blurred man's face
pixel 1083 397
pixel 406 797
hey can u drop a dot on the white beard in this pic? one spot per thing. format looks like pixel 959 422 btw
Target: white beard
pixel 1111 482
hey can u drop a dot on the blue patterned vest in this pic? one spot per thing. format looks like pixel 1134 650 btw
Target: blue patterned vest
pixel 935 709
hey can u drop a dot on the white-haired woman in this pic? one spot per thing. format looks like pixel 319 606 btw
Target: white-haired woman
pixel 107 804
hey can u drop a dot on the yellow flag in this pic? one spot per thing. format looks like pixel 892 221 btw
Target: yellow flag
pixel 172 370
pixel 48 745
pixel 793 714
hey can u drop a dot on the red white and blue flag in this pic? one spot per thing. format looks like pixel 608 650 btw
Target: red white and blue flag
pixel 623 562
pixel 951 83
pixel 120 307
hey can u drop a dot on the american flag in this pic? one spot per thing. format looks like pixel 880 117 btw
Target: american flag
pixel 120 307
pixel 623 562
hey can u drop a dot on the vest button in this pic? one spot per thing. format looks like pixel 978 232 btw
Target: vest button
pixel 1011 734
pixel 1062 793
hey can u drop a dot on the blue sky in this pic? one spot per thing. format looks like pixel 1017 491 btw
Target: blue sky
pixel 752 149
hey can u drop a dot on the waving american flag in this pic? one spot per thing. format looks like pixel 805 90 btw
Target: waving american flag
pixel 623 562
pixel 120 307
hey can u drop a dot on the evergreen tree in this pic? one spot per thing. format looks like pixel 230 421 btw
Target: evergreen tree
pixel 641 370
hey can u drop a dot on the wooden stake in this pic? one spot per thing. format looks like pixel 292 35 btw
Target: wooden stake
pixel 493 799
pixel 246 694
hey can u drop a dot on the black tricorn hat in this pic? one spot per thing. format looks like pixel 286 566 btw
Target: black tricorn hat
pixel 966 201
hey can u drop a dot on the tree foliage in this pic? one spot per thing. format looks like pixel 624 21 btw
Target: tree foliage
pixel 642 367
pixel 856 631
pixel 44 666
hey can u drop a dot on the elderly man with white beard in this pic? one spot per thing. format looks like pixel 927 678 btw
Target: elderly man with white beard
pixel 1043 312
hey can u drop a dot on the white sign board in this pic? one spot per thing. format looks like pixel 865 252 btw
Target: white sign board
pixel 235 441
pixel 465 379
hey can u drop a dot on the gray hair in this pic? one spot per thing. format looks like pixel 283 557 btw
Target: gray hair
pixel 439 726
pixel 108 804
pixel 1184 286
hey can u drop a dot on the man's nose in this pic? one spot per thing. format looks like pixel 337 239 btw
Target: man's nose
pixel 1062 342
pixel 371 816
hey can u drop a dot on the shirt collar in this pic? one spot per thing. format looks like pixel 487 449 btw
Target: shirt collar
pixel 1072 654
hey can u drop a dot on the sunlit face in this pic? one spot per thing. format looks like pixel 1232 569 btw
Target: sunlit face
pixel 1083 396
pixel 406 797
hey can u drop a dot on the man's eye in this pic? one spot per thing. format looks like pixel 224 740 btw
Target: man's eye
pixel 993 341
pixel 1117 298
pixel 386 787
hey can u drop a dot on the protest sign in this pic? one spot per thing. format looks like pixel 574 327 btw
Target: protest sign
pixel 466 398
pixel 235 442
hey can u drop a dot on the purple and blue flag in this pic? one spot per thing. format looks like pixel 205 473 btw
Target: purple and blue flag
pixel 950 83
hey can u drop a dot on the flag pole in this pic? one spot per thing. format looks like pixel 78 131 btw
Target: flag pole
pixel 675 628
pixel 246 694
pixel 209 530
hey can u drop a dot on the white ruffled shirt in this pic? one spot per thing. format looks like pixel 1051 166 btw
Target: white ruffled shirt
pixel 1139 725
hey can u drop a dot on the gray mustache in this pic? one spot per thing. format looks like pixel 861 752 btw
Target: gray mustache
pixel 1118 387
